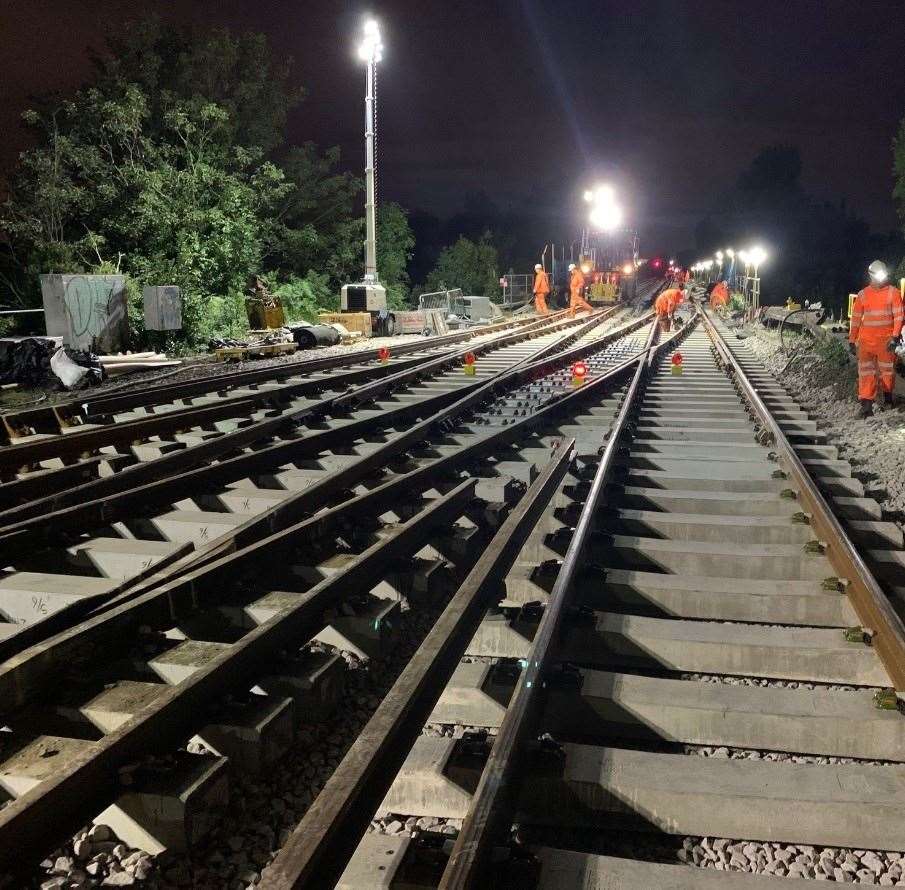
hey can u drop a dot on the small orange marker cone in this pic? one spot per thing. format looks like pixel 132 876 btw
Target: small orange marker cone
pixel 383 354
pixel 677 363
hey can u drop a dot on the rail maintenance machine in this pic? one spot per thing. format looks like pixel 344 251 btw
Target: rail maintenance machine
pixel 609 262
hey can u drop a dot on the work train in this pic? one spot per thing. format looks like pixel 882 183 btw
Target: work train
pixel 609 262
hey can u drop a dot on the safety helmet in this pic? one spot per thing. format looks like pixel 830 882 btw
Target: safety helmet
pixel 538 267
pixel 878 272
pixel 571 267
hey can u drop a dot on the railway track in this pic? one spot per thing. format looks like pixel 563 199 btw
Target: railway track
pixel 676 649
pixel 83 443
pixel 238 644
pixel 164 515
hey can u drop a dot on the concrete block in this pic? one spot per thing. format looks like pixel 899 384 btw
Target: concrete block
pixel 561 869
pixel 36 760
pixel 26 597
pixel 252 734
pixel 476 695
pixel 179 663
pixel 315 681
pixel 820 721
pixel 122 558
pixel 172 809
pixel 367 633
pixel 792 653
pixel 841 805
pixel 438 778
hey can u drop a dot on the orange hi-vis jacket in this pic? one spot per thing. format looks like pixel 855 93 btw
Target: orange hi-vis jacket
pixel 541 283
pixel 674 295
pixel 719 296
pixel 663 304
pixel 576 283
pixel 876 316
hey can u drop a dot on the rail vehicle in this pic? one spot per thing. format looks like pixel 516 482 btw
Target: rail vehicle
pixel 609 262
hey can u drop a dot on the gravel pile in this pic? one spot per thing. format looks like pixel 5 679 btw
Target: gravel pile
pixel 775 684
pixel 722 752
pixel 841 865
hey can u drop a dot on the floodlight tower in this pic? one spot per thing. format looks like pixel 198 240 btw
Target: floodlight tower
pixel 370 295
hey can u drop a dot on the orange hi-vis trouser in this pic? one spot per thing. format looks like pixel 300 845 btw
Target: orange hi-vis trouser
pixel 577 303
pixel 540 304
pixel 665 321
pixel 875 360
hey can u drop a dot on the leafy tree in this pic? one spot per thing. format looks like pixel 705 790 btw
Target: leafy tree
pixel 470 265
pixel 395 243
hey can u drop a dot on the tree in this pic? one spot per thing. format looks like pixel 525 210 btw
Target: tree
pixel 472 266
pixel 395 243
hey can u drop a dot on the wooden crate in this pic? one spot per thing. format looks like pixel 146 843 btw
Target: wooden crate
pixel 239 353
pixel 351 321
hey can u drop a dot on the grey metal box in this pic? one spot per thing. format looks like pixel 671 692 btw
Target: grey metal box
pixel 478 308
pixel 87 311
pixel 163 308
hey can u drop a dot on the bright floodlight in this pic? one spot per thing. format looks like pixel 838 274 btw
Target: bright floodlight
pixel 719 255
pixel 606 217
pixel 371 48
pixel 606 214
pixel 730 252
pixel 757 255
pixel 708 264
pixel 743 256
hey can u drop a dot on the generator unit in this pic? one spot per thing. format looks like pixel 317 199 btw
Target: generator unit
pixel 370 298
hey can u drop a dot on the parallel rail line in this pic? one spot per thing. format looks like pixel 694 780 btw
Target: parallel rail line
pixel 705 580
pixel 334 535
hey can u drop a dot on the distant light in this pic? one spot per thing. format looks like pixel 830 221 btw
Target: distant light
pixel 743 256
pixel 589 196
pixel 757 255
pixel 627 269
pixel 586 268
pixel 730 252
pixel 371 48
pixel 719 255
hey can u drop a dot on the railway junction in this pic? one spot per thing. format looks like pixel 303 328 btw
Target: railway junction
pixel 556 602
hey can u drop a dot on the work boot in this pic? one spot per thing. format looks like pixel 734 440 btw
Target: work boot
pixel 867 408
pixel 889 400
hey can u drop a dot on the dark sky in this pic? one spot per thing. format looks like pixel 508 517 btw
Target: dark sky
pixel 531 100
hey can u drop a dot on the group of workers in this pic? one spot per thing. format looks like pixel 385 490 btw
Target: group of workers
pixel 577 302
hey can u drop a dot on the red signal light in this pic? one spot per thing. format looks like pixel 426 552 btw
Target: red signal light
pixel 469 358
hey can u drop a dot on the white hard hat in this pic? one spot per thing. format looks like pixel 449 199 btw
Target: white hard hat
pixel 571 267
pixel 878 271
pixel 538 267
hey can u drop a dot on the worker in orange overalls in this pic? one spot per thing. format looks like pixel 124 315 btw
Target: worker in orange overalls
pixel 665 306
pixel 577 303
pixel 719 296
pixel 874 329
pixel 541 289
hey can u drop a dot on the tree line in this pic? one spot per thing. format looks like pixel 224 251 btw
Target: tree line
pixel 170 166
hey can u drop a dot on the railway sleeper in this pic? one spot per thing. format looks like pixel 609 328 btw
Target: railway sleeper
pixel 591 787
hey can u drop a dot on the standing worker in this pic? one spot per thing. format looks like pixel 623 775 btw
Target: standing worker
pixel 875 326
pixel 577 303
pixel 541 289
pixel 719 296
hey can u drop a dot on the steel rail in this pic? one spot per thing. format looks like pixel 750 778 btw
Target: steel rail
pixel 27 658
pixel 871 604
pixel 83 441
pixel 101 500
pixel 102 404
pixel 492 799
pixel 43 817
pixel 321 845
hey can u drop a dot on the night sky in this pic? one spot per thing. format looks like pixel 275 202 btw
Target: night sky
pixel 530 101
